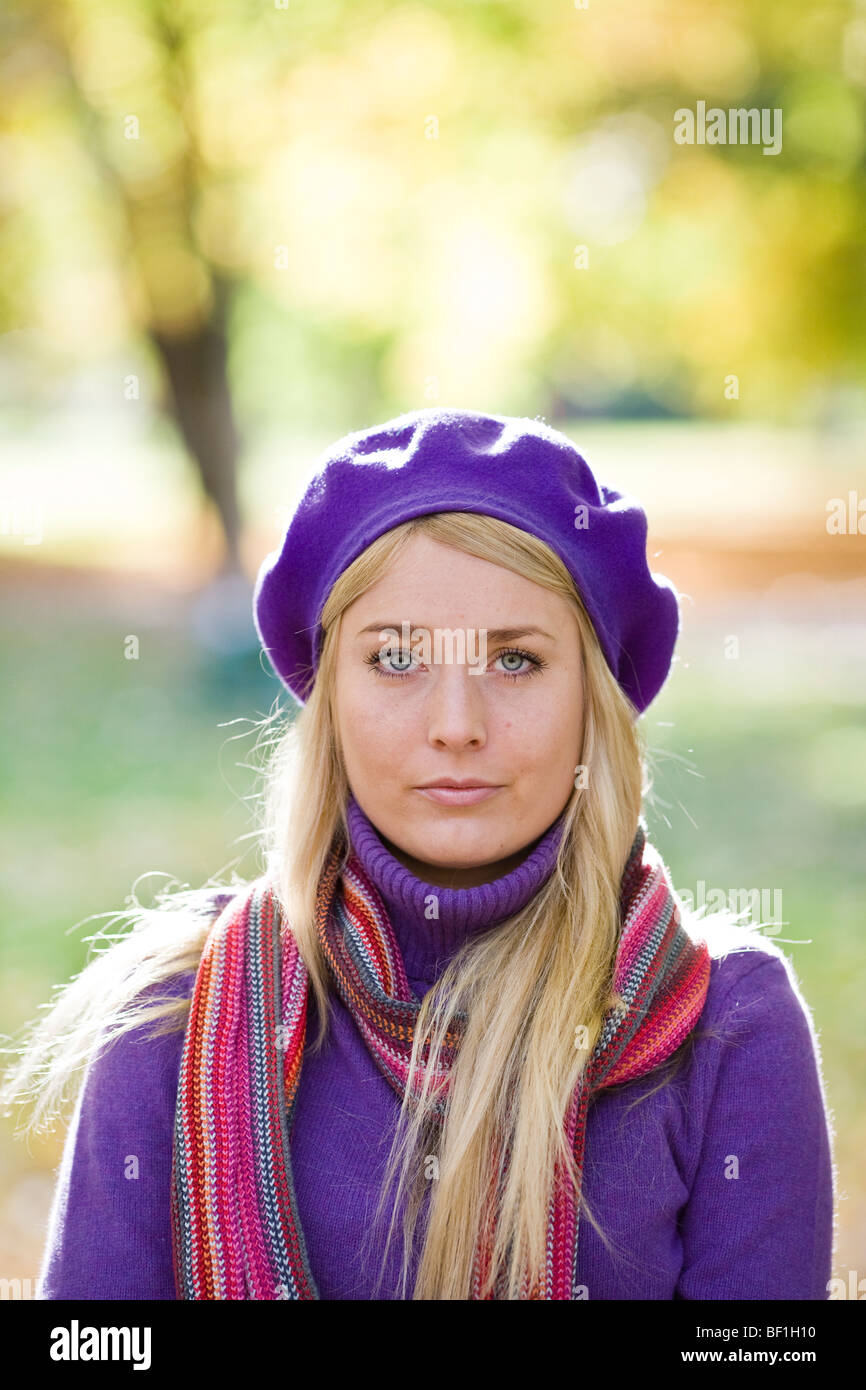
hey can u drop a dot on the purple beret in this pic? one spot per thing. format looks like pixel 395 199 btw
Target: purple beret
pixel 438 460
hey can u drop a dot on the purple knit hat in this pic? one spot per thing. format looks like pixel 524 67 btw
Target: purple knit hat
pixel 440 460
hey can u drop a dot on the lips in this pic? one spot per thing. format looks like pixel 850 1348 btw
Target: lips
pixel 449 792
pixel 462 783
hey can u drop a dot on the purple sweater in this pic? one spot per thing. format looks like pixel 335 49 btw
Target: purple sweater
pixel 720 1185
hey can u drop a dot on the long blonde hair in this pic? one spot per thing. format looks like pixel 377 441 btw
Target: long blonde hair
pixel 529 989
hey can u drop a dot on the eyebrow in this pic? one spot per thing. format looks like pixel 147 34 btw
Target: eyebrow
pixel 494 634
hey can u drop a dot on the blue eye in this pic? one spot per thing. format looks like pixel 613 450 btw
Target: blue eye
pixel 403 661
pixel 536 663
pixel 517 655
pixel 387 670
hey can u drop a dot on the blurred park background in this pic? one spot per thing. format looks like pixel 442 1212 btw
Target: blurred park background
pixel 232 231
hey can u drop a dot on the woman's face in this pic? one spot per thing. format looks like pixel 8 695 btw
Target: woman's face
pixel 434 708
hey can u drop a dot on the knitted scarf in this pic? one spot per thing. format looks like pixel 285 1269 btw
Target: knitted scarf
pixel 235 1227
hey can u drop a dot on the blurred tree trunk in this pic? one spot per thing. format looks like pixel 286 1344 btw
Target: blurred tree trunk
pixel 195 367
pixel 187 326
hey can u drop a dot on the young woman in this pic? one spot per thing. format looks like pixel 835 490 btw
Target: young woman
pixel 459 1040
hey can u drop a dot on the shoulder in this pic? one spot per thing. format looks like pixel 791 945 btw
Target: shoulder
pixel 752 980
pixel 756 1042
pixel 133 1039
pixel 139 1065
pixel 756 1076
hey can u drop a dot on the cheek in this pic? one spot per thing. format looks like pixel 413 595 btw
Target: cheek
pixel 547 718
pixel 369 725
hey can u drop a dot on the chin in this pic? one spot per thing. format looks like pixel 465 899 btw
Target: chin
pixel 444 858
pixel 456 846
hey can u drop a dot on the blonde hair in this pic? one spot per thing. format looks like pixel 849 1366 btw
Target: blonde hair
pixel 529 988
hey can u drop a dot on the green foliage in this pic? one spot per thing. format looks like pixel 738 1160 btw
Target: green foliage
pixel 399 192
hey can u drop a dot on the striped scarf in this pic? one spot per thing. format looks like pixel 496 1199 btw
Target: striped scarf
pixel 235 1227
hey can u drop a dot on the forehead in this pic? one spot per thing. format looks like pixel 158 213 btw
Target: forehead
pixel 431 574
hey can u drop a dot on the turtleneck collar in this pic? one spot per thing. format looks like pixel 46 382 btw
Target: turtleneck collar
pixel 428 942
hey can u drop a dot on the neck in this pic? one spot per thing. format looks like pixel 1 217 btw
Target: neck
pixel 434 875
pixel 431 921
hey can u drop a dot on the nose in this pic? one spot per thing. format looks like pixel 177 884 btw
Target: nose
pixel 456 716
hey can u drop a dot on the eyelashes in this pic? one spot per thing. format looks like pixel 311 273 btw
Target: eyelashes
pixel 537 664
